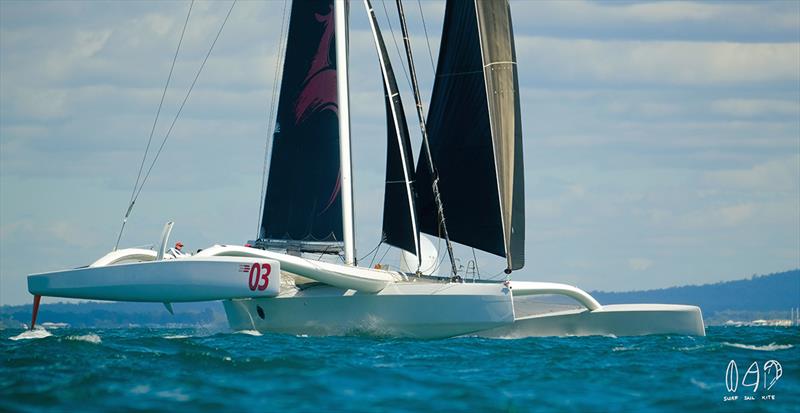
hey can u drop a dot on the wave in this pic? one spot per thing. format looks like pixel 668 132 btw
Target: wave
pixel 250 333
pixel 140 389
pixel 693 348
pixel 31 334
pixel 176 337
pixel 89 338
pixel 768 347
pixel 701 385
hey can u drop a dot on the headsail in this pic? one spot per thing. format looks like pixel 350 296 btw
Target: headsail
pixel 475 133
pixel 399 212
pixel 303 201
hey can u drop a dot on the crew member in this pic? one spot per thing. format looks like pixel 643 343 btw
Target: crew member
pixel 177 251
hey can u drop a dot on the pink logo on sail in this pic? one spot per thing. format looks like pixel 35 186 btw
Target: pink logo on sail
pixel 318 92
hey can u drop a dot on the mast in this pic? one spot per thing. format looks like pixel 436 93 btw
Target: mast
pixel 400 227
pixel 427 148
pixel 340 17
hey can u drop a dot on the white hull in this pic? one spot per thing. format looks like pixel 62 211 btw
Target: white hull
pixel 420 310
pixel 168 281
pixel 350 300
pixel 437 310
pixel 616 320
pixel 343 276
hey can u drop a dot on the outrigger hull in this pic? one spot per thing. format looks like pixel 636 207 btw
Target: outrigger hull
pixel 168 281
pixel 612 320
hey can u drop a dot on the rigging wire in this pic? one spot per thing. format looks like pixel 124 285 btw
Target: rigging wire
pixel 475 260
pixel 271 116
pixel 441 260
pixel 384 255
pixel 497 275
pixel 371 251
pixel 372 260
pixel 425 28
pixel 396 47
pixel 186 98
pixel 426 146
pixel 153 128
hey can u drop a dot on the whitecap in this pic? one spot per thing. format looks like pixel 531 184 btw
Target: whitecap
pixel 250 333
pixel 176 395
pixel 700 384
pixel 623 348
pixel 768 347
pixel 89 338
pixel 140 389
pixel 31 334
pixel 700 347
pixel 176 337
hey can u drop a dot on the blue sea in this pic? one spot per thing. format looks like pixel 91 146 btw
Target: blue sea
pixel 142 369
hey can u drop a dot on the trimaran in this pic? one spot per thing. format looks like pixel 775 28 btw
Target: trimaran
pixel 467 187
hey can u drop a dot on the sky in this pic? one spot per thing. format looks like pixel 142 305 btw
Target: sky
pixel 661 139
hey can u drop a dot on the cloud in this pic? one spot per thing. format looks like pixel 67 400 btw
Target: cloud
pixel 639 264
pixel 775 175
pixel 736 214
pixel 38 104
pixel 757 107
pixel 88 44
pixel 56 232
pixel 660 62
pixel 663 20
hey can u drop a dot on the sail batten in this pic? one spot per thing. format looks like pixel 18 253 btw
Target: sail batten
pixel 475 133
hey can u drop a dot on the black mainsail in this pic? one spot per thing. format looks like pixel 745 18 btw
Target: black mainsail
pixel 475 133
pixel 399 212
pixel 303 200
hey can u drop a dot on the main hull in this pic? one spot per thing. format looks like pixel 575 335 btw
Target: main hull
pixel 439 310
pixel 419 310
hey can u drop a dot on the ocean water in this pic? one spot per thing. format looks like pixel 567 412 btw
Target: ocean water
pixel 143 369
